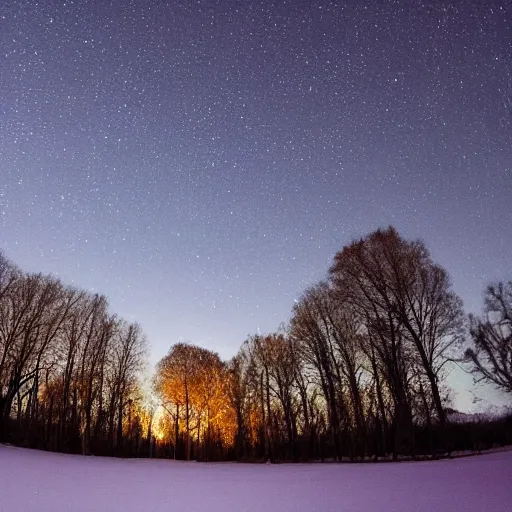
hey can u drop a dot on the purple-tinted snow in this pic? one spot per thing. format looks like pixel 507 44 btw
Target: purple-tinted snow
pixel 48 482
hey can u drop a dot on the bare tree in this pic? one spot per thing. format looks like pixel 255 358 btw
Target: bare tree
pixel 61 353
pixel 396 285
pixel 125 361
pixel 242 399
pixel 30 321
pixel 277 362
pixel 492 338
pixel 99 332
pixel 312 326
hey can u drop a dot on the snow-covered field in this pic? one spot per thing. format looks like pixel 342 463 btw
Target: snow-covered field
pixel 48 482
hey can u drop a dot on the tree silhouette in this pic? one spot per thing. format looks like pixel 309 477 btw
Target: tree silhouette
pixel 492 338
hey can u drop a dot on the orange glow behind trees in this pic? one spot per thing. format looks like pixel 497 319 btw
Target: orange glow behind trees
pixel 192 384
pixel 358 373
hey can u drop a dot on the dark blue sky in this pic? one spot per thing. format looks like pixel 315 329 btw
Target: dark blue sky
pixel 201 162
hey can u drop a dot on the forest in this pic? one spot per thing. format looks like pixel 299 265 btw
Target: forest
pixel 359 372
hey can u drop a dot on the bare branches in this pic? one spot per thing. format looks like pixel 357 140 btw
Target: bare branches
pixel 407 304
pixel 65 362
pixel 193 381
pixel 492 338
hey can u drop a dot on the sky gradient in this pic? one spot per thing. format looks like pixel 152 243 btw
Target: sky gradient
pixel 200 163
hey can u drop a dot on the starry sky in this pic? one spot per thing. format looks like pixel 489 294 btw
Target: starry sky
pixel 200 163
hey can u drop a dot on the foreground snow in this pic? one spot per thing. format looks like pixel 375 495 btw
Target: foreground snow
pixel 48 482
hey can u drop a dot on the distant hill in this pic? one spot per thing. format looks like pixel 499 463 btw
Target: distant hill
pixel 493 413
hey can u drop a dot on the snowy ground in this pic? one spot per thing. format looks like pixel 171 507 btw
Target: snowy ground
pixel 48 482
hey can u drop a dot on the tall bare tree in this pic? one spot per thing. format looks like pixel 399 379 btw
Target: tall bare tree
pixel 395 284
pixel 491 355
pixel 328 332
pixel 243 399
pixel 31 317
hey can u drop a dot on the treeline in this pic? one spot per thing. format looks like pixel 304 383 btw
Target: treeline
pixel 69 368
pixel 359 372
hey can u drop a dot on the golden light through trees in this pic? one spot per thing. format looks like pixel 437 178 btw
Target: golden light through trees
pixel 358 372
pixel 192 384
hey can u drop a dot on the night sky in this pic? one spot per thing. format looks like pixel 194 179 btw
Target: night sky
pixel 200 163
